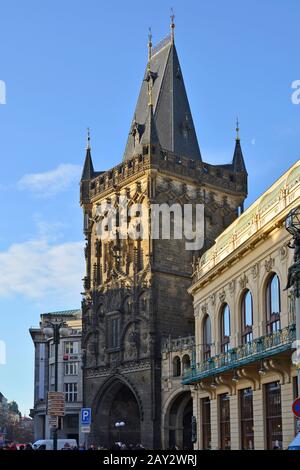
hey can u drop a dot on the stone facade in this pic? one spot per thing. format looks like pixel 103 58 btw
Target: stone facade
pixel 246 257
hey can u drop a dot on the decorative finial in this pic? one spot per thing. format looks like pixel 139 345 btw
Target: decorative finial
pixel 172 25
pixel 237 129
pixel 150 83
pixel 149 46
pixel 88 146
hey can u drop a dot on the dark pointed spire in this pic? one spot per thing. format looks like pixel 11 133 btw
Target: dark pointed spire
pixel 238 162
pixel 171 110
pixel 88 168
pixel 149 136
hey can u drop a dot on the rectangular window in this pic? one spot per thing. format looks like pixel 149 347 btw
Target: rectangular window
pixel 51 350
pixel 206 425
pixel 51 371
pixel 295 387
pixel 273 415
pixel 71 392
pixel 71 347
pixel 71 421
pixel 246 413
pixel 71 368
pixel 224 414
pixel 113 332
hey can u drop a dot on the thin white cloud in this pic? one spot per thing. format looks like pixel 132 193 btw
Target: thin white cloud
pixel 49 231
pixel 253 141
pixel 50 182
pixel 39 269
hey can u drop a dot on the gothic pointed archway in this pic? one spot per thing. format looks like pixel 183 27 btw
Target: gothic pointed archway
pixel 117 403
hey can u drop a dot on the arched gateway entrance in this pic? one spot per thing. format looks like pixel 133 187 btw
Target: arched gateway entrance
pixel 117 403
pixel 178 422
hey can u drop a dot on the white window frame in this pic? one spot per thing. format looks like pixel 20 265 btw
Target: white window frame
pixel 71 368
pixel 71 347
pixel 71 392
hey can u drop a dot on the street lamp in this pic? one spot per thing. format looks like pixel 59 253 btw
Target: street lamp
pixel 292 225
pixel 119 425
pixel 56 329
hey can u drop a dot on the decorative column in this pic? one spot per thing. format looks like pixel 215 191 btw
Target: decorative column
pixel 258 419
pixel 288 420
pixel 214 424
pixel 234 423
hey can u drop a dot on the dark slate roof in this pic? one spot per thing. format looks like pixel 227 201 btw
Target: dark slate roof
pixel 150 134
pixel 171 111
pixel 88 168
pixel 238 162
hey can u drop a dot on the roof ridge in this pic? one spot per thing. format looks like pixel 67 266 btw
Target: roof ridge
pixel 161 44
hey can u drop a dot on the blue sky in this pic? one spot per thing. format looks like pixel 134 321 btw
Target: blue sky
pixel 73 64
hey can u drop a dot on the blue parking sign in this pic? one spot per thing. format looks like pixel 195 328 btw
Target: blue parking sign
pixel 86 416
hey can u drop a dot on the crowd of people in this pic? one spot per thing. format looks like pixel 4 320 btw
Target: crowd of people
pixel 67 446
pixel 14 446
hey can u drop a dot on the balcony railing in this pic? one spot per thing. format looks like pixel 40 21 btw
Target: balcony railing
pixel 257 349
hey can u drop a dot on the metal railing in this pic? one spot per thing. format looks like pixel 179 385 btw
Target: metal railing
pixel 259 348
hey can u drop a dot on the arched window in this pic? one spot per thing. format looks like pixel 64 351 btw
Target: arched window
pixel 186 362
pixel 176 367
pixel 206 337
pixel 225 328
pixel 247 317
pixel 273 304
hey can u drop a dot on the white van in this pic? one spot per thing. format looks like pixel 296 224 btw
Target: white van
pixel 295 444
pixel 47 444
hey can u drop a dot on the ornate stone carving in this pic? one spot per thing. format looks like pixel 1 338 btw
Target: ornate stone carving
pixel 222 296
pixel 269 263
pixel 254 270
pixel 243 281
pixel 231 287
pixel 204 309
pixel 283 251
pixel 212 299
pixel 128 304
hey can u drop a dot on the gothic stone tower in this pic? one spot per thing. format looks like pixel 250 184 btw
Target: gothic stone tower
pixel 135 291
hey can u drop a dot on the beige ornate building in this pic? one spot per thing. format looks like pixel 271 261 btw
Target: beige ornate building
pixel 242 381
